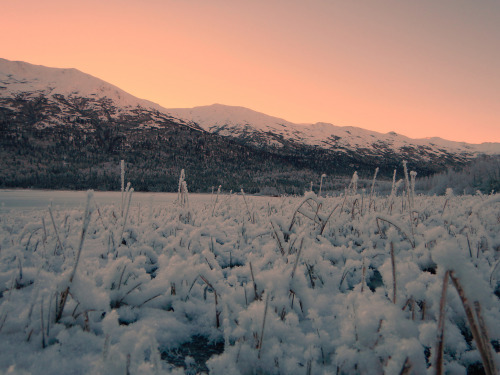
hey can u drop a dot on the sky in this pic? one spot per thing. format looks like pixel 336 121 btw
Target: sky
pixel 420 68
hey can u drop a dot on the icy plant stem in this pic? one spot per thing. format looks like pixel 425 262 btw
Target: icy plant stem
pixel 44 232
pixel 122 169
pixel 261 341
pixel 216 200
pixel 440 335
pixel 126 215
pixel 55 229
pixel 399 227
pixel 372 190
pixel 297 259
pixel 483 347
pixel 394 283
pixel 486 338
pixel 278 240
pixel 41 324
pixel 86 221
pixel 406 369
pixel 363 276
pixel 217 312
pixel 246 204
pixel 253 281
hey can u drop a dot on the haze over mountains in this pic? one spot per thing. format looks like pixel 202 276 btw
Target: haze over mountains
pixel 88 115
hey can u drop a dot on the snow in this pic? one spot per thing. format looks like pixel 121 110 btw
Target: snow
pixel 234 121
pixel 20 77
pixel 233 285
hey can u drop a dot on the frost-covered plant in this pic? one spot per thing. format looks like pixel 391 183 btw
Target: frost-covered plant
pixel 182 193
pixel 308 290
pixel 122 180
pixel 321 183
pixel 372 190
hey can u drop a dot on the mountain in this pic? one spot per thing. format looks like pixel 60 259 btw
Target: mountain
pixel 62 128
pixel 262 130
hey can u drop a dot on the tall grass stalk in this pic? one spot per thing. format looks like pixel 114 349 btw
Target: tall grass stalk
pixel 217 312
pixel 297 259
pixel 409 194
pixel 248 209
pixel 482 342
pixel 86 221
pixel 394 281
pixel 370 202
pixel 261 341
pixel 440 333
pixel 321 184
pixel 42 325
pixel 55 229
pixel 122 170
pixel 216 199
pixel 253 281
pixel 129 198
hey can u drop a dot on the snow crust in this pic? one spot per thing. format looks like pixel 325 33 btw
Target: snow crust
pixel 227 283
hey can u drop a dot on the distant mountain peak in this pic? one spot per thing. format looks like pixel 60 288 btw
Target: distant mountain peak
pixel 237 122
pixel 18 77
pixel 240 123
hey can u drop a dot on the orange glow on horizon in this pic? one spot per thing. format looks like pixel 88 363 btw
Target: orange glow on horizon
pixel 422 69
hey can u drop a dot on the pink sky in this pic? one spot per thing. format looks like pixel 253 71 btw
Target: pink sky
pixel 421 68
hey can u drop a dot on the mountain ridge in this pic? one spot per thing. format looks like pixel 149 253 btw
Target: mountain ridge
pixel 231 118
pixel 84 125
pixel 209 117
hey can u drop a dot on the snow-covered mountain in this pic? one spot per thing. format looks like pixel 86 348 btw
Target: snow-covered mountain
pixel 38 97
pixel 246 124
pixel 17 77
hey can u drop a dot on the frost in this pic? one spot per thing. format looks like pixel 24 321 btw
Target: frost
pixel 241 284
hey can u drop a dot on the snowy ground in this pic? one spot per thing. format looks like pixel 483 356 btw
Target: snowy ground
pixel 248 285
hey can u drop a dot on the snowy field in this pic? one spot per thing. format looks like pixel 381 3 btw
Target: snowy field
pixel 234 284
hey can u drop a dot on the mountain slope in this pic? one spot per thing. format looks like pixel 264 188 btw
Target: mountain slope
pixel 17 77
pixel 239 122
pixel 61 128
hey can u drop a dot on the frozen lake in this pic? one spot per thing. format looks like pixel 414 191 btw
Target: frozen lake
pixel 35 199
pixel 20 199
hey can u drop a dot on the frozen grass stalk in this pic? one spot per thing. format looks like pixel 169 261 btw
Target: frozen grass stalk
pixel 373 189
pixel 86 221
pixel 246 204
pixel 261 341
pixel 122 169
pixel 217 312
pixel 321 183
pixel 129 198
pixel 482 343
pixel 55 229
pixel 440 334
pixel 216 199
pixel 394 283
